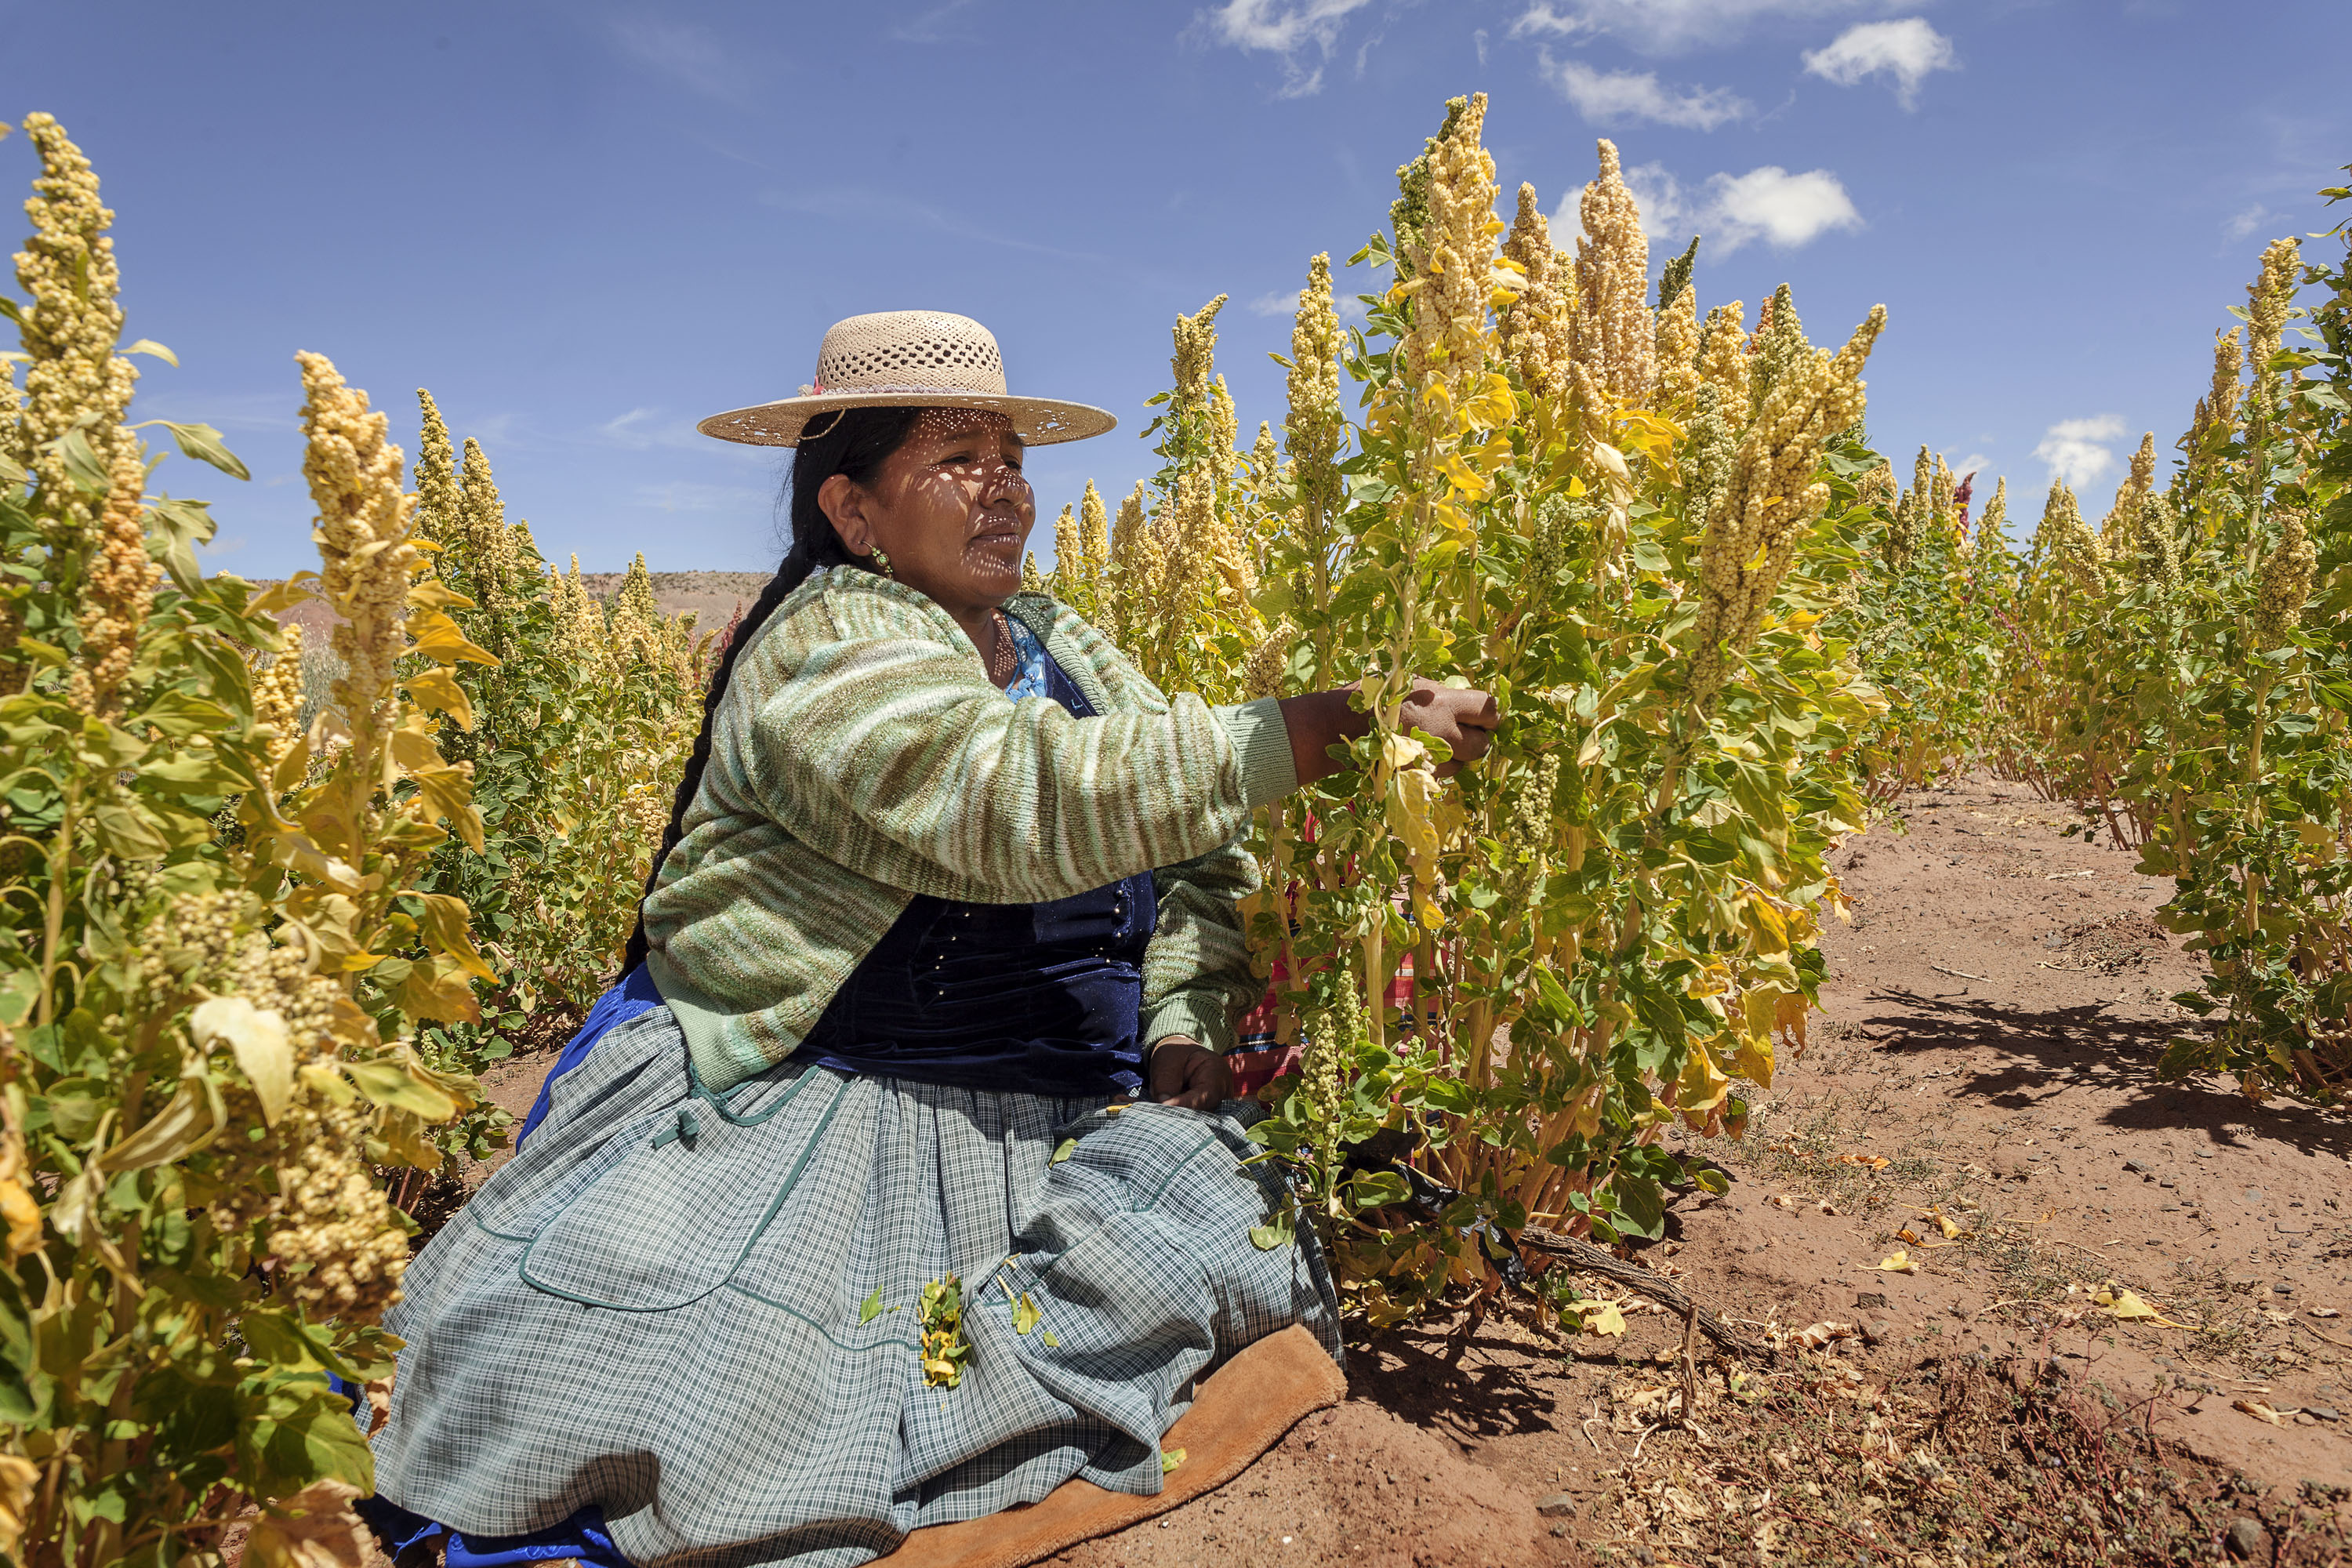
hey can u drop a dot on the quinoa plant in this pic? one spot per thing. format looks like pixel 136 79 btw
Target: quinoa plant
pixel 217 953
pixel 1627 526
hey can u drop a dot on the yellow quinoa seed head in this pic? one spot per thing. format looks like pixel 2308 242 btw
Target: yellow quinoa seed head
pixel 1779 342
pixel 1723 355
pixel 1877 486
pixel 2071 545
pixel 2267 301
pixel 1755 521
pixel 435 474
pixel 1455 256
pixel 1262 672
pixel 1068 557
pixel 1539 326
pixel 362 534
pixel 2283 584
pixel 1196 351
pixel 1225 433
pixel 636 621
pixel 1677 352
pixel 1094 533
pixel 115 592
pixel 70 322
pixel 278 695
pixel 1616 338
pixel 2222 401
pixel 2120 527
pixel 1266 456
pixel 1315 424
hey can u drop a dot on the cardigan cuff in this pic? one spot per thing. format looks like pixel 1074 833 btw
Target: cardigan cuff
pixel 1262 740
pixel 1198 1016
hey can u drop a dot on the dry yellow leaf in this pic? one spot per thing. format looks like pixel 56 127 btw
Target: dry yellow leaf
pixel 1900 1263
pixel 2258 1410
pixel 2118 1302
pixel 1600 1317
pixel 18 1477
pixel 315 1528
pixel 23 1217
pixel 257 1037
pixel 1820 1336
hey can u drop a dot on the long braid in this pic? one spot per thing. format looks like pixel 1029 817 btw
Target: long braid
pixel 854 445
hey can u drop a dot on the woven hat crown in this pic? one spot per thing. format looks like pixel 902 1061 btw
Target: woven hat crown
pixel 909 351
pixel 919 359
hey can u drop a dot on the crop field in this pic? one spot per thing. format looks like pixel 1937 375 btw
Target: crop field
pixel 1654 1018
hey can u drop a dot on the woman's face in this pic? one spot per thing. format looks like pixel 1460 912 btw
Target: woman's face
pixel 949 508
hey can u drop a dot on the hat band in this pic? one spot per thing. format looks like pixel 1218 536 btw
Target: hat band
pixel 820 390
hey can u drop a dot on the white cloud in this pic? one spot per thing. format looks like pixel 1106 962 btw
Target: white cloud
pixel 1907 50
pixel 234 413
pixel 928 26
pixel 642 428
pixel 690 54
pixel 1770 204
pixel 1783 209
pixel 1666 27
pixel 1283 303
pixel 1285 27
pixel 2075 448
pixel 1974 463
pixel 2245 223
pixel 685 495
pixel 1605 97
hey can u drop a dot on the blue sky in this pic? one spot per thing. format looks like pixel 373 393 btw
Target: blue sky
pixel 585 226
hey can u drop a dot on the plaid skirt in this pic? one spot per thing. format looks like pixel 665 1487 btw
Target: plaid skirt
pixel 697 1314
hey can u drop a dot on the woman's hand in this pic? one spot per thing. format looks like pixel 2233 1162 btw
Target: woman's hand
pixel 1462 717
pixel 1182 1071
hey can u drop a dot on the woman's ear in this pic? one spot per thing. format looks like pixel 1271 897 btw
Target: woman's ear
pixel 846 504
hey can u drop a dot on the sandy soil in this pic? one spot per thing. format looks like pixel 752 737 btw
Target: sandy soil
pixel 1986 1052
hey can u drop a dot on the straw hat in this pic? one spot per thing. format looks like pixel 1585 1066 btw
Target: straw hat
pixel 901 359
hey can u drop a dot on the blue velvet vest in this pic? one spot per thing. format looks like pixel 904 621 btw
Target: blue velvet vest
pixel 1039 998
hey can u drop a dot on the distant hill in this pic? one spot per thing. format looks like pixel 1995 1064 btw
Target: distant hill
pixel 711 596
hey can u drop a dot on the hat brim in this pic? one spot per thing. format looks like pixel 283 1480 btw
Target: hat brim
pixel 1038 421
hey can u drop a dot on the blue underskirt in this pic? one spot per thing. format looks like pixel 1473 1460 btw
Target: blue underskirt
pixel 583 1535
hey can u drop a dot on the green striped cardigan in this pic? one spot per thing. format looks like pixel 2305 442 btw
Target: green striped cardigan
pixel 861 755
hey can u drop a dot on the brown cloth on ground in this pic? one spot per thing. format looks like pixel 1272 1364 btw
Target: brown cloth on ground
pixel 1243 1410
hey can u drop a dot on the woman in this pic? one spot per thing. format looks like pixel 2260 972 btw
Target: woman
pixel 947 881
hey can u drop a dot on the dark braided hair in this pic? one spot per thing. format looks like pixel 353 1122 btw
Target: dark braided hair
pixel 854 445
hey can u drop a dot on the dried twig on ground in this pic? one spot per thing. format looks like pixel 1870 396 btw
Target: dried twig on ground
pixel 1593 1259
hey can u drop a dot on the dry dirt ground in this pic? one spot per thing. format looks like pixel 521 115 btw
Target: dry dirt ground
pixel 1985 1057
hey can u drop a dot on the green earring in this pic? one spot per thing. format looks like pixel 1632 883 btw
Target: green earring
pixel 881 559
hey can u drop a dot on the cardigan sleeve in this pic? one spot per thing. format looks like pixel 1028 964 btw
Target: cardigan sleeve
pixel 1197 977
pixel 892 754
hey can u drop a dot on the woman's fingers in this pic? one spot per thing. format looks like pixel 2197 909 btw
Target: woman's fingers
pixel 1186 1073
pixel 1464 718
pixel 1208 1081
